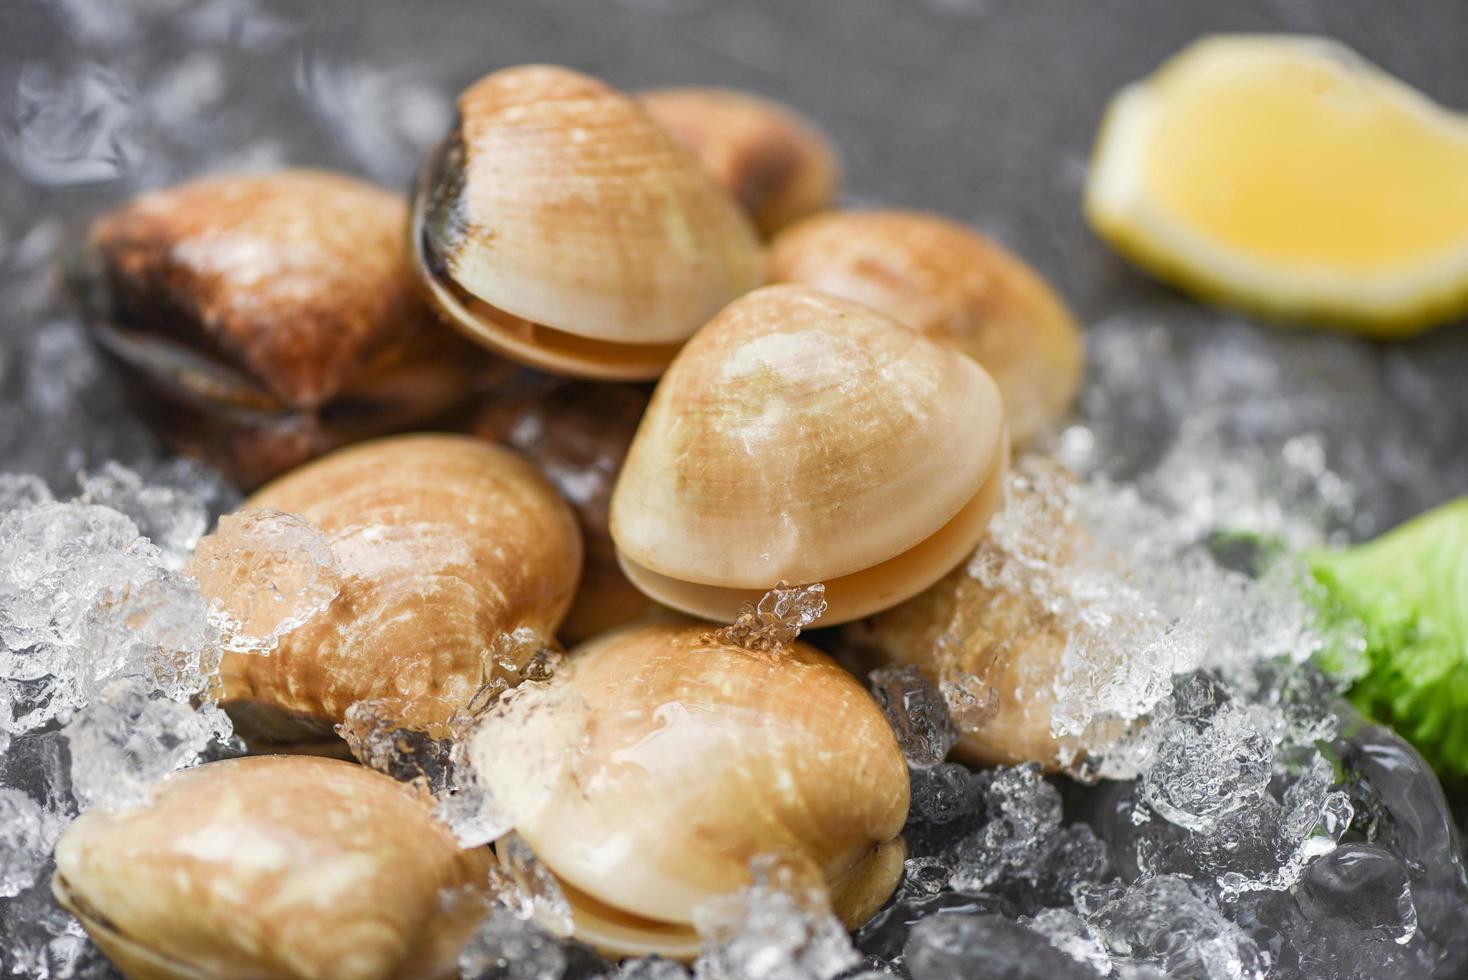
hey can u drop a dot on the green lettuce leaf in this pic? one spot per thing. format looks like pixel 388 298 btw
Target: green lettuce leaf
pixel 1409 588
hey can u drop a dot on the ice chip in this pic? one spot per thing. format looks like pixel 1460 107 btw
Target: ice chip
pixel 1068 932
pixel 468 807
pixel 26 837
pixel 85 600
pixel 777 619
pixel 523 654
pixel 529 888
pixel 19 491
pixel 129 738
pixel 780 928
pixel 375 735
pixel 649 968
pixel 507 947
pixel 1363 889
pixel 917 713
pixel 1165 922
pixel 955 947
pixel 945 793
pixel 171 517
pixel 266 573
pixel 438 766
pixel 1207 767
pixel 1024 820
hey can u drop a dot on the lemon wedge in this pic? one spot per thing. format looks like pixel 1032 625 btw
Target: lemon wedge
pixel 1287 176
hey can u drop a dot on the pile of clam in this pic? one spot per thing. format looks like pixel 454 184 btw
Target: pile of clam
pixel 837 396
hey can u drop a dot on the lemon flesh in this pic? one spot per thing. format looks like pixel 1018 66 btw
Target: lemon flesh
pixel 1287 176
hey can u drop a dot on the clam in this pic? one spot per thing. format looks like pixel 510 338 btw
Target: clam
pixel 964 633
pixel 994 632
pixel 778 165
pixel 444 543
pixel 578 434
pixel 660 760
pixel 803 438
pixel 273 867
pixel 952 284
pixel 266 319
pixel 560 226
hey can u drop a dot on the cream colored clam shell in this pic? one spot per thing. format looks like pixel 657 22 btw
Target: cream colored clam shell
pixel 952 284
pixel 804 438
pixel 660 761
pixel 776 163
pixel 273 867
pixel 568 208
pixel 444 543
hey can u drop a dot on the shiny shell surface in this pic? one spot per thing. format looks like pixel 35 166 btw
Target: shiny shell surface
pixel 561 206
pixel 273 867
pixel 804 438
pixel 660 761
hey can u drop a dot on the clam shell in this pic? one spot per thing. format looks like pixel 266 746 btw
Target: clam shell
pixel 263 320
pixel 776 163
pixel 296 280
pixel 444 543
pixel 560 225
pixel 961 628
pixel 952 284
pixel 273 867
pixel 667 760
pixel 577 434
pixel 802 438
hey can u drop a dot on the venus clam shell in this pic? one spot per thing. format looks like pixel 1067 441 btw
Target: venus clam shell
pixel 561 226
pixel 777 164
pixel 663 760
pixel 444 543
pixel 952 284
pixel 267 318
pixel 273 867
pixel 802 438
pixel 959 628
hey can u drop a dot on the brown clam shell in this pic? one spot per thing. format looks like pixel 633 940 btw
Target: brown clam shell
pixel 444 543
pixel 955 286
pixel 273 868
pixel 776 163
pixel 665 760
pixel 265 319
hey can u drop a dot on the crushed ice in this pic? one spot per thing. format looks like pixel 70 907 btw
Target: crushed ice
pixel 773 623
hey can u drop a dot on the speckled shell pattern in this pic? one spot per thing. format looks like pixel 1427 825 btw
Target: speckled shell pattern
pixel 444 542
pixel 274 867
